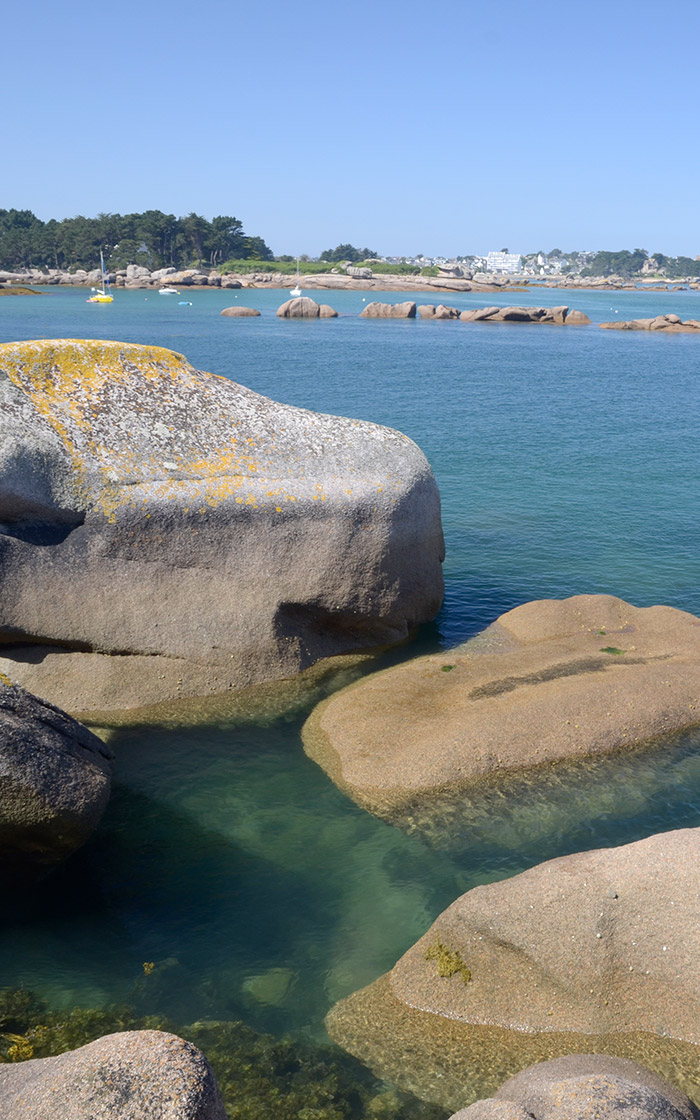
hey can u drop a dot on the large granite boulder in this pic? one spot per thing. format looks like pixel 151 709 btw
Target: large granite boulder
pixel 135 1075
pixel 167 532
pixel 240 312
pixel 55 779
pixel 598 951
pixel 550 680
pixel 584 1087
pixel 375 310
pixel 301 307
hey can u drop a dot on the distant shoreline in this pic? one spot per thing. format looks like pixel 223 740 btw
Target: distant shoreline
pixel 326 281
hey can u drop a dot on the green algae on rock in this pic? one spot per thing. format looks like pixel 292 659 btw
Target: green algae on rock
pixel 258 1075
pixel 593 952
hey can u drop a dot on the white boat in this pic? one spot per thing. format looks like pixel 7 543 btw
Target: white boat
pixel 104 293
pixel 168 292
pixel 296 291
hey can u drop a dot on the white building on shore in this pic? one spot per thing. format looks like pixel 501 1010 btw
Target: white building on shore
pixel 503 262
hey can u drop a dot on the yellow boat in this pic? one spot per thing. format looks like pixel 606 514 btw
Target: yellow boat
pixel 103 294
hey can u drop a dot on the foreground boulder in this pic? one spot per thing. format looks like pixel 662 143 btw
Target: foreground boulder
pixel 550 680
pixel 670 324
pixel 303 307
pixel 236 312
pixel 135 1075
pixel 55 784
pixel 375 310
pixel 167 532
pixel 598 951
pixel 561 316
pixel 584 1087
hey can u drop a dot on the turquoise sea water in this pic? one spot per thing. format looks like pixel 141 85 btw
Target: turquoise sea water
pixel 567 461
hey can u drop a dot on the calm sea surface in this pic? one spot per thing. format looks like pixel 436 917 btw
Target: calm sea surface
pixel 567 460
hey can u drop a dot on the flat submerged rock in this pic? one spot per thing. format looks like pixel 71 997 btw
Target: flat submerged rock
pixel 549 681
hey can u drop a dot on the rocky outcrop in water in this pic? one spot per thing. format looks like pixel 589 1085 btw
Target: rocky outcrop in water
pixel 55 784
pixel 594 952
pixel 561 316
pixel 237 312
pixel 405 310
pixel 168 532
pixel 670 324
pixel 302 307
pixel 584 1087
pixel 430 311
pixel 134 1075
pixel 550 680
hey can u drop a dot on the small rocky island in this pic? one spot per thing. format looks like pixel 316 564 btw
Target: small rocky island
pixel 669 324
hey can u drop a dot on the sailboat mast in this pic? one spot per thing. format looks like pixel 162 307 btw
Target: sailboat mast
pixel 104 275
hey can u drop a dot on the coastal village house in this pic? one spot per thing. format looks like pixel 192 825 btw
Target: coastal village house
pixel 503 262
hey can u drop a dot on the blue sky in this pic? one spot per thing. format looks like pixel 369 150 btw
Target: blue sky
pixel 410 127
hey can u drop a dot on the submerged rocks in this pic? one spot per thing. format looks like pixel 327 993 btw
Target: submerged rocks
pixel 561 316
pixel 168 532
pixel 584 1087
pixel 550 680
pixel 671 324
pixel 134 1075
pixel 375 310
pixel 237 312
pixel 596 951
pixel 55 779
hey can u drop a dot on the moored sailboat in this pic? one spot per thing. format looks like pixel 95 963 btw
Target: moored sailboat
pixel 296 291
pixel 104 293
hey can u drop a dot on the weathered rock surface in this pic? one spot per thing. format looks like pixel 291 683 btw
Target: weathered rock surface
pixel 154 512
pixel 430 311
pixel 303 307
pixel 135 1075
pixel 561 316
pixel 237 312
pixel 550 680
pixel 375 310
pixel 325 311
pixel 55 779
pixel 598 951
pixel 671 324
pixel 584 1087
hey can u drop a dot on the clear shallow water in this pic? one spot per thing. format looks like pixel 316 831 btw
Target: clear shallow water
pixel 567 462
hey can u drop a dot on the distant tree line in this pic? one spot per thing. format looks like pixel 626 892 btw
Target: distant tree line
pixel 153 239
pixel 626 264
pixel 347 253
